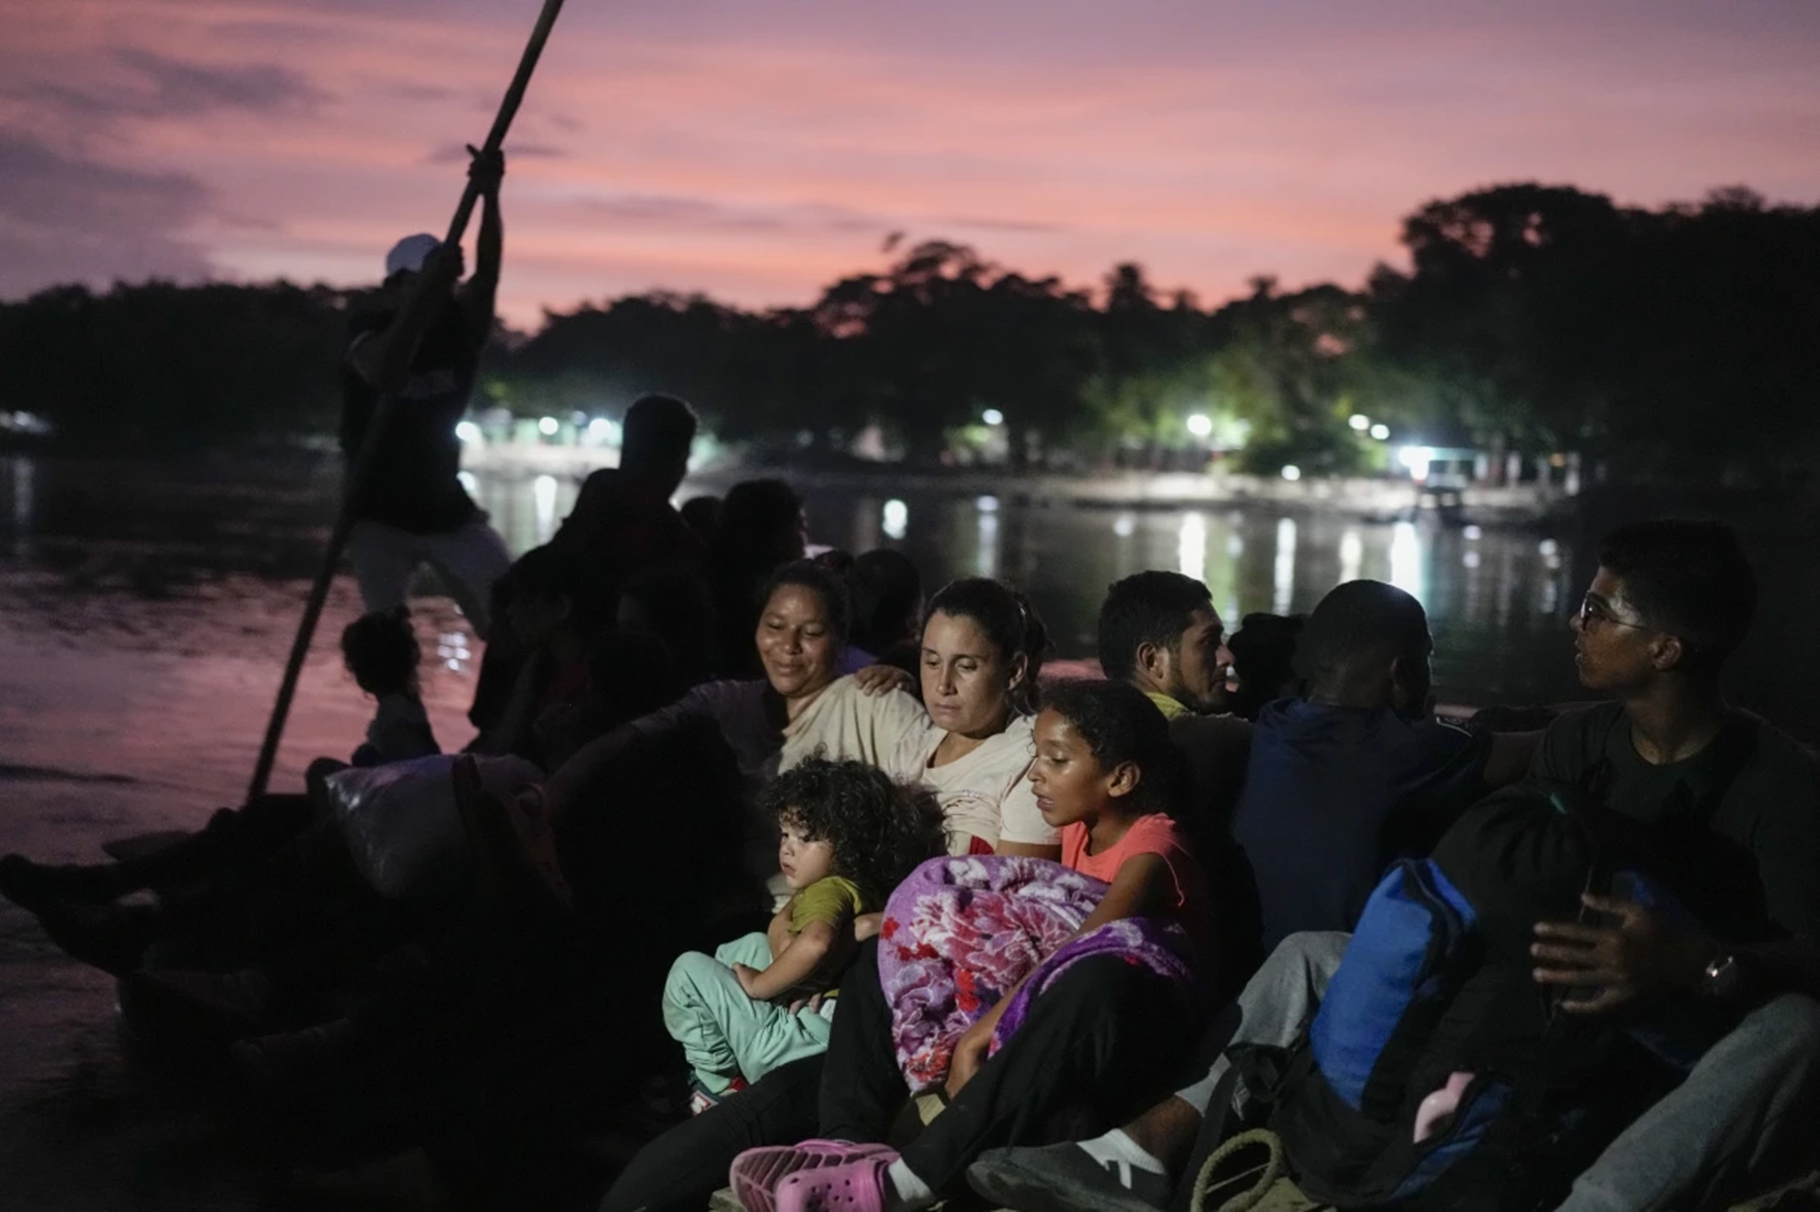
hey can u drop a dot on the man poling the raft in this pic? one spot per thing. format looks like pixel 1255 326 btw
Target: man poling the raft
pixel 382 368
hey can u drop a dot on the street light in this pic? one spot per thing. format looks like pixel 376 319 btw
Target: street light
pixel 1359 421
pixel 1381 432
pixel 993 416
pixel 1417 459
pixel 1292 473
pixel 1200 425
pixel 547 427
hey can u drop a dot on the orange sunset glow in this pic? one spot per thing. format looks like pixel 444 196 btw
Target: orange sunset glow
pixel 757 151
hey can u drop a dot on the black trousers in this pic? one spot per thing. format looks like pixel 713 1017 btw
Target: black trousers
pixel 1101 1044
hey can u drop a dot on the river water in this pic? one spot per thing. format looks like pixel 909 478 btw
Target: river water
pixel 145 612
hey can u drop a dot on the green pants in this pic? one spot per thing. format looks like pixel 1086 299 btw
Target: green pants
pixel 723 1032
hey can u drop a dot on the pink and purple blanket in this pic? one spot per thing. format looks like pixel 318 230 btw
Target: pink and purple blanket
pixel 961 931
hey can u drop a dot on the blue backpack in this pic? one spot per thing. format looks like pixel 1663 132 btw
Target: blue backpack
pixel 1437 981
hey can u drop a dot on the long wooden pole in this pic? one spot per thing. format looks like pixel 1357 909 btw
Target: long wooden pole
pixel 382 415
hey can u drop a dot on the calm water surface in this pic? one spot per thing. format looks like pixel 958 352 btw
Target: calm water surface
pixel 145 614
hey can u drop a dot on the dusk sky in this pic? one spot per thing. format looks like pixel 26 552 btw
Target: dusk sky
pixel 756 150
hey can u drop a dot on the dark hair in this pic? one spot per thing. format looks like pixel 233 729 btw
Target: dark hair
pixel 380 650
pixel 826 584
pixel 880 829
pixel 631 673
pixel 658 430
pixel 755 515
pixel 887 598
pixel 1149 608
pixel 837 561
pixel 1356 623
pixel 1120 724
pixel 1009 620
pixel 1263 656
pixel 550 572
pixel 702 514
pixel 1690 579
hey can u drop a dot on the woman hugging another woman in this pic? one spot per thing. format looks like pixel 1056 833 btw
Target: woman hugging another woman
pixel 969 741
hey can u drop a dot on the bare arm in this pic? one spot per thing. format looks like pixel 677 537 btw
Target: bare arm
pixel 384 359
pixel 777 934
pixel 568 783
pixel 815 951
pixel 482 289
pixel 1141 885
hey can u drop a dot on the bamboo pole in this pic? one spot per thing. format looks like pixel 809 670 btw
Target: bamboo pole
pixel 382 415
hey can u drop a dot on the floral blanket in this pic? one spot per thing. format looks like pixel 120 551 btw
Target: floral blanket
pixel 961 931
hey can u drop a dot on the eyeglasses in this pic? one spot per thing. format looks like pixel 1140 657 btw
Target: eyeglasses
pixel 1594 614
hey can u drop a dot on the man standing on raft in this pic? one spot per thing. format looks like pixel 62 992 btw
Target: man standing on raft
pixel 426 333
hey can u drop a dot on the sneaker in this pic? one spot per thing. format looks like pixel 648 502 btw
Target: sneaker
pixel 757 1174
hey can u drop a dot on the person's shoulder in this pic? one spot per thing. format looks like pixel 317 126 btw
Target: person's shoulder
pixel 712 698
pixel 1433 732
pixel 1779 760
pixel 1210 729
pixel 1585 720
pixel 1157 833
pixel 601 480
pixel 1575 741
pixel 1011 750
pixel 845 694
pixel 832 888
pixel 401 705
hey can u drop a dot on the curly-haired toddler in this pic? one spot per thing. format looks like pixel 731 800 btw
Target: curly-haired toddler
pixel 849 836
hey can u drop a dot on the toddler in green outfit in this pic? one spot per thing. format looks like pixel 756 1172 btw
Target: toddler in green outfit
pixel 849 835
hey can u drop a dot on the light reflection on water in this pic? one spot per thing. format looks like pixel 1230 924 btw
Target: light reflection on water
pixel 177 540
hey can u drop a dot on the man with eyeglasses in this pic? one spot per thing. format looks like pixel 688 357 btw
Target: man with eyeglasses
pixel 1734 807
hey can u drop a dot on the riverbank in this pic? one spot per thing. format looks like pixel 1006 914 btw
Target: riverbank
pixel 1372 498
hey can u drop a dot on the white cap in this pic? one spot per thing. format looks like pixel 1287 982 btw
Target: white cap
pixel 409 254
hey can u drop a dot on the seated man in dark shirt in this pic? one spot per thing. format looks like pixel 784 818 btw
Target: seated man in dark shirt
pixel 1357 773
pixel 1159 632
pixel 1733 808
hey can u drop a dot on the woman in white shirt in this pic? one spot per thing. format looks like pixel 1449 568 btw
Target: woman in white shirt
pixel 969 742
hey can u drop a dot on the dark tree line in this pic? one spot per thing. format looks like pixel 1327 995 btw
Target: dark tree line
pixel 1659 344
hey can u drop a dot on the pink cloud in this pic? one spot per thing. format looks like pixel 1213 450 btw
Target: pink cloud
pixel 758 155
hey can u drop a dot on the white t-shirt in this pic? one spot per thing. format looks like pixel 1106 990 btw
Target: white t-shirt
pixel 983 795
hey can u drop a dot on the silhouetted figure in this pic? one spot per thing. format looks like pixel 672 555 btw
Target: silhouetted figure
pixel 380 651
pixel 887 608
pixel 424 334
pixel 1263 658
pixel 762 528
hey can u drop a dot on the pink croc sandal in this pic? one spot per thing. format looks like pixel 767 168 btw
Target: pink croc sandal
pixel 857 1186
pixel 756 1173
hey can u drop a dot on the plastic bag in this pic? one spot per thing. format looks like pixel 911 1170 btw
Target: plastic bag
pixel 402 826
